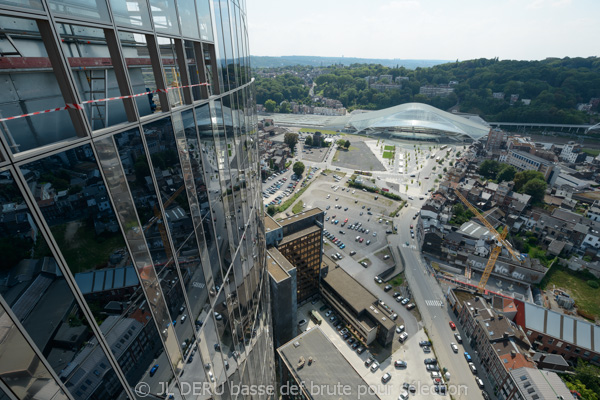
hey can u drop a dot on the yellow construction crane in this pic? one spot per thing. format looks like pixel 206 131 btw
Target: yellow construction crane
pixel 500 241
pixel 161 223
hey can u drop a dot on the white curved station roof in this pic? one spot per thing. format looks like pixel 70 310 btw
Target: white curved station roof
pixel 419 116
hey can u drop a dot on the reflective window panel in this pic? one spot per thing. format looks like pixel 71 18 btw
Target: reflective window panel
pixel 164 16
pixel 26 69
pixel 195 74
pixel 89 58
pixel 204 19
pixel 139 64
pixel 171 75
pixel 131 13
pixel 31 4
pixel 187 18
pixel 87 9
pixel 39 296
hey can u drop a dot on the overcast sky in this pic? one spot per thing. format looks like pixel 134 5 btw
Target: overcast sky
pixel 425 29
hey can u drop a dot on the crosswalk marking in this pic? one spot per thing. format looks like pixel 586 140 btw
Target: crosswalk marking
pixel 434 303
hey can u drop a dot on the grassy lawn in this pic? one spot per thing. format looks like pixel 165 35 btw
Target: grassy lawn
pixel 397 281
pixel 84 250
pixel 586 297
pixel 389 148
pixel 592 152
pixel 388 154
pixel 297 207
pixel 323 131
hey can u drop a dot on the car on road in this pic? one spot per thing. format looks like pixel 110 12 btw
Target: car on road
pixel 386 377
pixel 368 242
pixel 457 337
pixel 479 383
pixel 408 244
pixel 454 347
pixel 400 364
pixel 473 368
pixel 403 396
pixel 429 361
pixel 377 279
pixel 153 370
pixel 361 240
pixel 467 356
pixel 352 253
pixel 452 325
pixel 387 288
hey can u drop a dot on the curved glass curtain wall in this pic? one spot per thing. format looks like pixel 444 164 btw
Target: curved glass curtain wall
pixel 133 227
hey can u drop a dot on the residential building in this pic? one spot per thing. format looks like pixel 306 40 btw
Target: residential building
pixel 496 139
pixel 436 91
pixel 572 153
pixel 135 205
pixel 533 384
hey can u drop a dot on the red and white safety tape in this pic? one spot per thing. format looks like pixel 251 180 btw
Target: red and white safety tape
pixel 80 105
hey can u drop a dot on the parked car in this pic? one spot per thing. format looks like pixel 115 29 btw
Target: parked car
pixel 387 288
pixel 473 368
pixel 302 322
pixel 374 366
pixel 458 338
pixel 429 361
pixel 424 343
pixel 369 361
pixel 454 347
pixel 410 306
pixel 467 357
pixel 386 377
pixel 400 329
pixel 400 364
pixel 452 325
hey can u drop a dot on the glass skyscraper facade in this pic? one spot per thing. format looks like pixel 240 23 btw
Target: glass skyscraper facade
pixel 132 242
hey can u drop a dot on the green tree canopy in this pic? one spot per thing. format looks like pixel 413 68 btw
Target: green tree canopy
pixel 521 178
pixel 270 105
pixel 290 139
pixel 507 173
pixel 298 168
pixel 308 141
pixel 285 108
pixel 271 210
pixel 536 188
pixel 340 142
pixel 489 169
pixel 347 144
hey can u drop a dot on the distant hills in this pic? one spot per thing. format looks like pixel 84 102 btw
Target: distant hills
pixel 286 61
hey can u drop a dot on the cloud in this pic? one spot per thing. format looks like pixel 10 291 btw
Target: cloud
pixel 400 5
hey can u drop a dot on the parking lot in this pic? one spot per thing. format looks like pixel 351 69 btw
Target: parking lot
pixel 350 207
pixel 415 372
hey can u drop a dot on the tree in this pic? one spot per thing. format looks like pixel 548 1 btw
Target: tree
pixel 489 169
pixel 308 141
pixel 340 142
pixel 271 210
pixel 347 144
pixel 521 178
pixel 507 173
pixel 536 188
pixel 318 139
pixel 298 168
pixel 290 139
pixel 285 108
pixel 270 105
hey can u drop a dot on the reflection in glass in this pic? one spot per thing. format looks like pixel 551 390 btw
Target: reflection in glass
pixel 137 57
pixel 140 345
pixel 164 16
pixel 20 93
pixel 39 296
pixel 166 46
pixel 205 21
pixel 131 13
pixel 164 161
pixel 89 58
pixel 187 18
pixel 32 4
pixel 20 368
pixel 88 9
pixel 194 73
